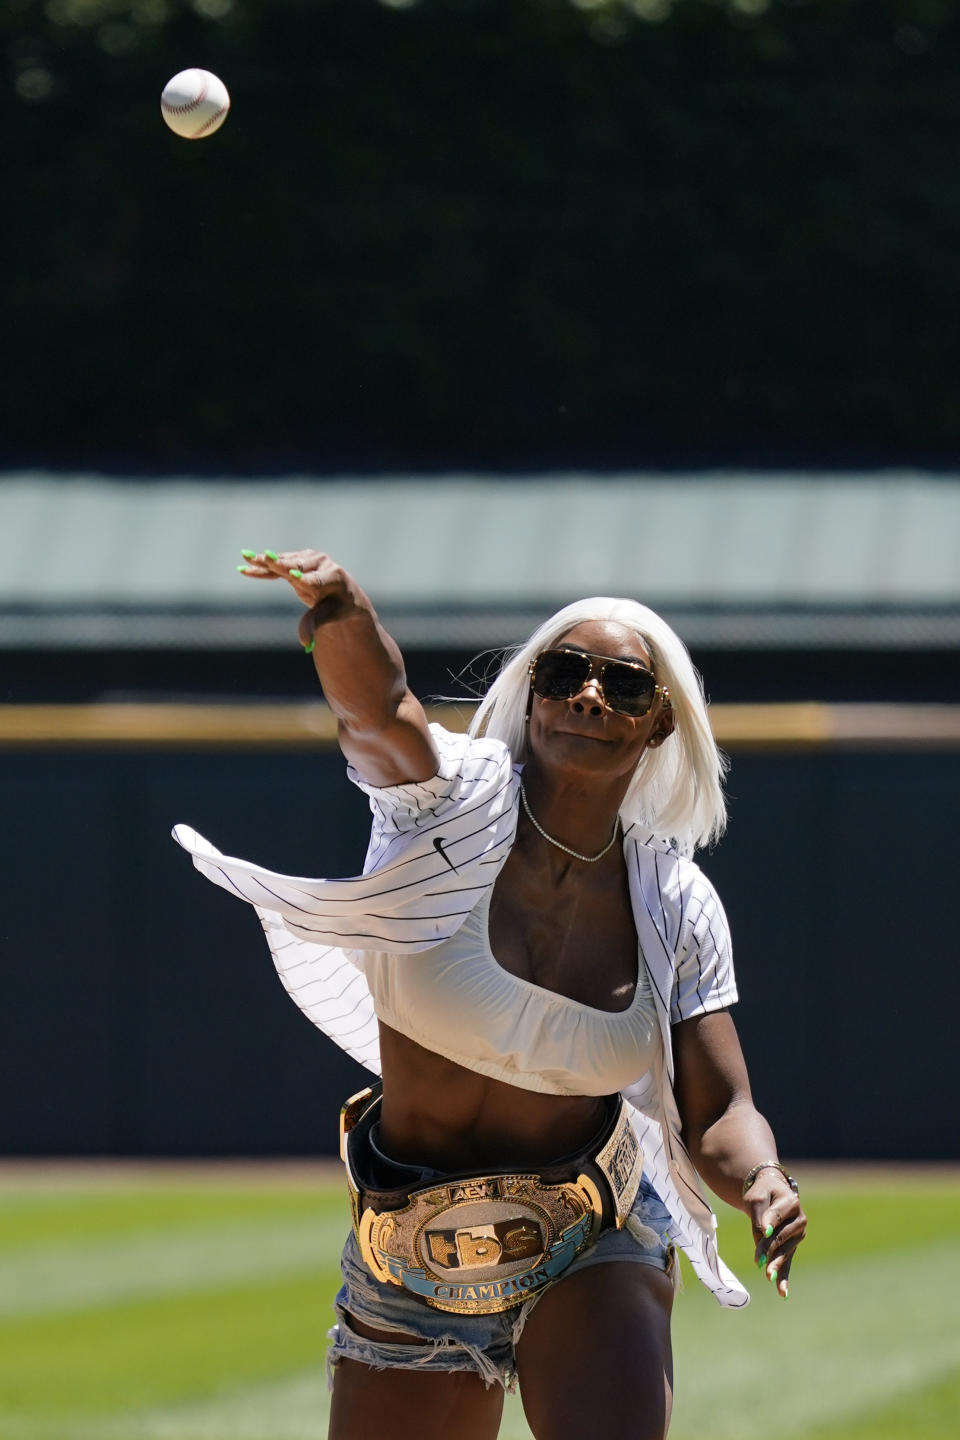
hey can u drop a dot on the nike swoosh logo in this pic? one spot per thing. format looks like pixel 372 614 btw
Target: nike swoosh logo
pixel 438 846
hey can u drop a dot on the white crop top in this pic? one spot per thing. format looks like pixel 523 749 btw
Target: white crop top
pixel 456 1000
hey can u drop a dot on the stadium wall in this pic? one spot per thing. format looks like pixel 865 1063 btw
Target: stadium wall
pixel 140 1015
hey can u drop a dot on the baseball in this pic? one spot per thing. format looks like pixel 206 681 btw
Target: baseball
pixel 194 104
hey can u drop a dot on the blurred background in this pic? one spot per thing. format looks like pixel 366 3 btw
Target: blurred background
pixel 500 302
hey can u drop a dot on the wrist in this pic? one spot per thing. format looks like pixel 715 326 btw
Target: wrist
pixel 345 608
pixel 751 1175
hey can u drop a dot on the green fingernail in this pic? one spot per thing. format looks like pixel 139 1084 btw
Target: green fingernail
pixel 242 569
pixel 270 554
pixel 761 1262
pixel 308 649
pixel 297 574
pixel 785 1292
pixel 768 1232
pixel 249 554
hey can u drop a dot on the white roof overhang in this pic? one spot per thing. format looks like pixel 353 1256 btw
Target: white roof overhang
pixel 732 559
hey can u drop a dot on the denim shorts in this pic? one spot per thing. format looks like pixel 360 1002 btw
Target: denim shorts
pixel 483 1344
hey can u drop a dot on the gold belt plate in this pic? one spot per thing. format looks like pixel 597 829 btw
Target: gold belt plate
pixel 480 1246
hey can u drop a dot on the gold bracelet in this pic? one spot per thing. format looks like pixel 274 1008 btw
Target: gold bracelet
pixel 769 1165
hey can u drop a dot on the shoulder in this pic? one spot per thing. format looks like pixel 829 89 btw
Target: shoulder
pixel 460 756
pixel 674 887
pixel 472 774
pixel 469 753
pixel 656 856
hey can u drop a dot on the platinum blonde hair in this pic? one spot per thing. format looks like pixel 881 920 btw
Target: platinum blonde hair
pixel 677 788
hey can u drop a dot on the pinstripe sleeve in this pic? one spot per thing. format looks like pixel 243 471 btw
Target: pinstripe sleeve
pixel 704 980
pixel 469 771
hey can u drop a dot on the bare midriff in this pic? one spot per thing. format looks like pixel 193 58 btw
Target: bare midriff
pixel 438 1113
pixel 575 937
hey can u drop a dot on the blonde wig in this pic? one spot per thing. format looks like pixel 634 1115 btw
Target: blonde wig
pixel 677 788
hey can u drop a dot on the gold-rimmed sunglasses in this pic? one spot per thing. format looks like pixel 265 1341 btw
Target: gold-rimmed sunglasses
pixel 627 687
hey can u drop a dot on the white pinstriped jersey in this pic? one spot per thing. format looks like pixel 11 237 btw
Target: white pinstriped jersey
pixel 435 850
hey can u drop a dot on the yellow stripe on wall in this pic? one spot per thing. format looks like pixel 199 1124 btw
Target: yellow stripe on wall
pixel 808 725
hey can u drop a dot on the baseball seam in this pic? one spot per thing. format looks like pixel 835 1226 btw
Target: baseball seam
pixel 190 105
pixel 214 119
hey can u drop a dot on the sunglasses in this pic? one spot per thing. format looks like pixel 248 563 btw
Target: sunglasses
pixel 627 687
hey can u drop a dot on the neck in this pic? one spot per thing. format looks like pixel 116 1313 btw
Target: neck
pixel 579 813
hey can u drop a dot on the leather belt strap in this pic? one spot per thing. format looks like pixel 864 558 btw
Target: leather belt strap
pixel 478 1244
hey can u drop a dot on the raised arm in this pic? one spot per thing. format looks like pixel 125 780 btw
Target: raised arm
pixel 728 1138
pixel 381 726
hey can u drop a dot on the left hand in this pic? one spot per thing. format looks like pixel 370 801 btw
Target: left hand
pixel 774 1207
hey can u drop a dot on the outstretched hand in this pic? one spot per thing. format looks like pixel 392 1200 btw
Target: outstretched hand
pixel 318 582
pixel 779 1225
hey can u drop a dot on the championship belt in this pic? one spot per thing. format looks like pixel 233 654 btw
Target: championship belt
pixel 479 1244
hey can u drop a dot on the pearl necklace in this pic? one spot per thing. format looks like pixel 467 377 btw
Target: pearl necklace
pixel 590 859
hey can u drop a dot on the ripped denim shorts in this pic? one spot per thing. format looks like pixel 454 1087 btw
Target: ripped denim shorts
pixel 483 1344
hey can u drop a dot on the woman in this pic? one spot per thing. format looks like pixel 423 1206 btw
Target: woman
pixel 542 977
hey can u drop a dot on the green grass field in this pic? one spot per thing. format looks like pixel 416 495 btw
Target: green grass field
pixel 174 1306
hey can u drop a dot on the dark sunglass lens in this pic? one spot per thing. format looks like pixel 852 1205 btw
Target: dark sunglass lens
pixel 558 674
pixel 628 689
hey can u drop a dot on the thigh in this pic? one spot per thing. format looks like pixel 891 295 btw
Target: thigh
pixel 598 1345
pixel 418 1404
